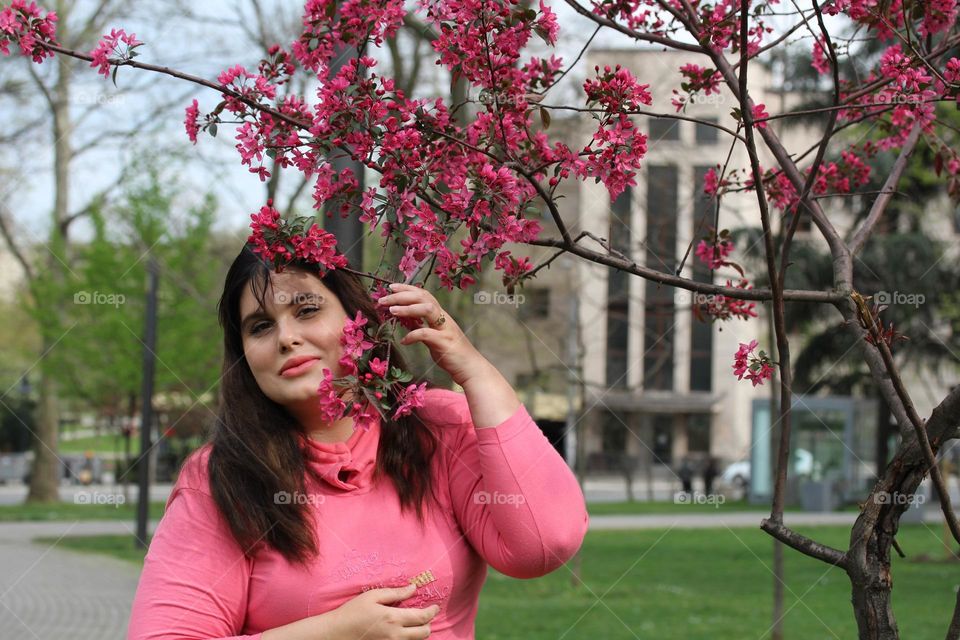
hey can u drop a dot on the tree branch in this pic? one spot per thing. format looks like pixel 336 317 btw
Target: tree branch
pixel 804 544
pixel 886 192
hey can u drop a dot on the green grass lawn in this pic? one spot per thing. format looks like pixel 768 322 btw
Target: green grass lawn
pixel 71 511
pixel 655 508
pixel 106 443
pixel 690 585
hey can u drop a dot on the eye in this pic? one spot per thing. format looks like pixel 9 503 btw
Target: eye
pixel 259 328
pixel 303 311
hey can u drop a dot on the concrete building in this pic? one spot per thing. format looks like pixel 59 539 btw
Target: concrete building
pixel 657 384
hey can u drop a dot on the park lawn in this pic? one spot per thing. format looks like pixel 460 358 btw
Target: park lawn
pixel 105 443
pixel 669 507
pixel 690 584
pixel 71 511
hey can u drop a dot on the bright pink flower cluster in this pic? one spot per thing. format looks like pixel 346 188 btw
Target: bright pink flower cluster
pixel 281 242
pixel 756 368
pixel 938 16
pixel 695 80
pixel 109 49
pixel 29 27
pixel 619 146
pixel 819 58
pixel 759 114
pixel 190 121
pixel 721 307
pixel 714 254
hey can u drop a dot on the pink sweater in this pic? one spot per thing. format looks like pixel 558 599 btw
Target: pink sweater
pixel 506 498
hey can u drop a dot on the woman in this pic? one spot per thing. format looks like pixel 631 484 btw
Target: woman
pixel 288 525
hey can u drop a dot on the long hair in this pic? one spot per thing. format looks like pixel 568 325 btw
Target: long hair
pixel 256 444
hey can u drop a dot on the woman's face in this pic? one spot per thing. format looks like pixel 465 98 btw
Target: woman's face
pixel 294 338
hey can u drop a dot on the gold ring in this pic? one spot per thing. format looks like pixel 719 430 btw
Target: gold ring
pixel 439 321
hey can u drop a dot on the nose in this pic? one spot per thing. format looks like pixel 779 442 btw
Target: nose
pixel 288 337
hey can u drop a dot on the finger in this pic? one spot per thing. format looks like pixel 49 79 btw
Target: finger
pixel 417 617
pixel 427 310
pixel 423 334
pixel 405 297
pixel 394 594
pixel 416 633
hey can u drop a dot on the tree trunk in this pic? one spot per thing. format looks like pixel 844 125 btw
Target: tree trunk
pixel 868 559
pixel 45 475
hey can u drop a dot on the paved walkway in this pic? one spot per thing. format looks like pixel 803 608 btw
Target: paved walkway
pixel 50 593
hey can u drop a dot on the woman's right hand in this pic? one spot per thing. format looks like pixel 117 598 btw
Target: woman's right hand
pixel 370 617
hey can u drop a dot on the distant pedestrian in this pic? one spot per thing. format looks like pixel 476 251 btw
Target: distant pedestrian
pixel 685 473
pixel 710 473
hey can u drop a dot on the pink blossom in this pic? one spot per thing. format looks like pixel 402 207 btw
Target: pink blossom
pixel 820 61
pixel 354 338
pixel 379 367
pixel 331 406
pixel 740 358
pixel 108 46
pixel 30 28
pixel 364 415
pixel 763 371
pixel 711 183
pixel 190 121
pixel 756 368
pixel 409 399
pixel 546 25
pixel 714 254
pixel 952 72
pixel 759 114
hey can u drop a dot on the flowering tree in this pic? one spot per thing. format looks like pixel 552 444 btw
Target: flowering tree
pixel 452 194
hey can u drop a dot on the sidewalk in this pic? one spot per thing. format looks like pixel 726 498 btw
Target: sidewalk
pixel 52 594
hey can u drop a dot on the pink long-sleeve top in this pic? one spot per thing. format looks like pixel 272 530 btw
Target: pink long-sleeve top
pixel 505 497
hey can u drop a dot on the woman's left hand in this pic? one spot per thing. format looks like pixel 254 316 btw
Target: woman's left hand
pixel 449 346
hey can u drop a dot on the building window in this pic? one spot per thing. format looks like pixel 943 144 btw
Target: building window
pixel 614 433
pixel 706 134
pixel 698 433
pixel 662 438
pixel 536 304
pixel 701 330
pixel 659 321
pixel 618 295
pixel 664 129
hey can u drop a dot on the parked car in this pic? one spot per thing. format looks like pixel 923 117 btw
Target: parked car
pixel 738 473
pixel 14 467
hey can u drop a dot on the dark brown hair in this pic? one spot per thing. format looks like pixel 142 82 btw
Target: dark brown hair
pixel 256 444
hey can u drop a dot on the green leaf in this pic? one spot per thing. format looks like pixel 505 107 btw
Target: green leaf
pixel 213 129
